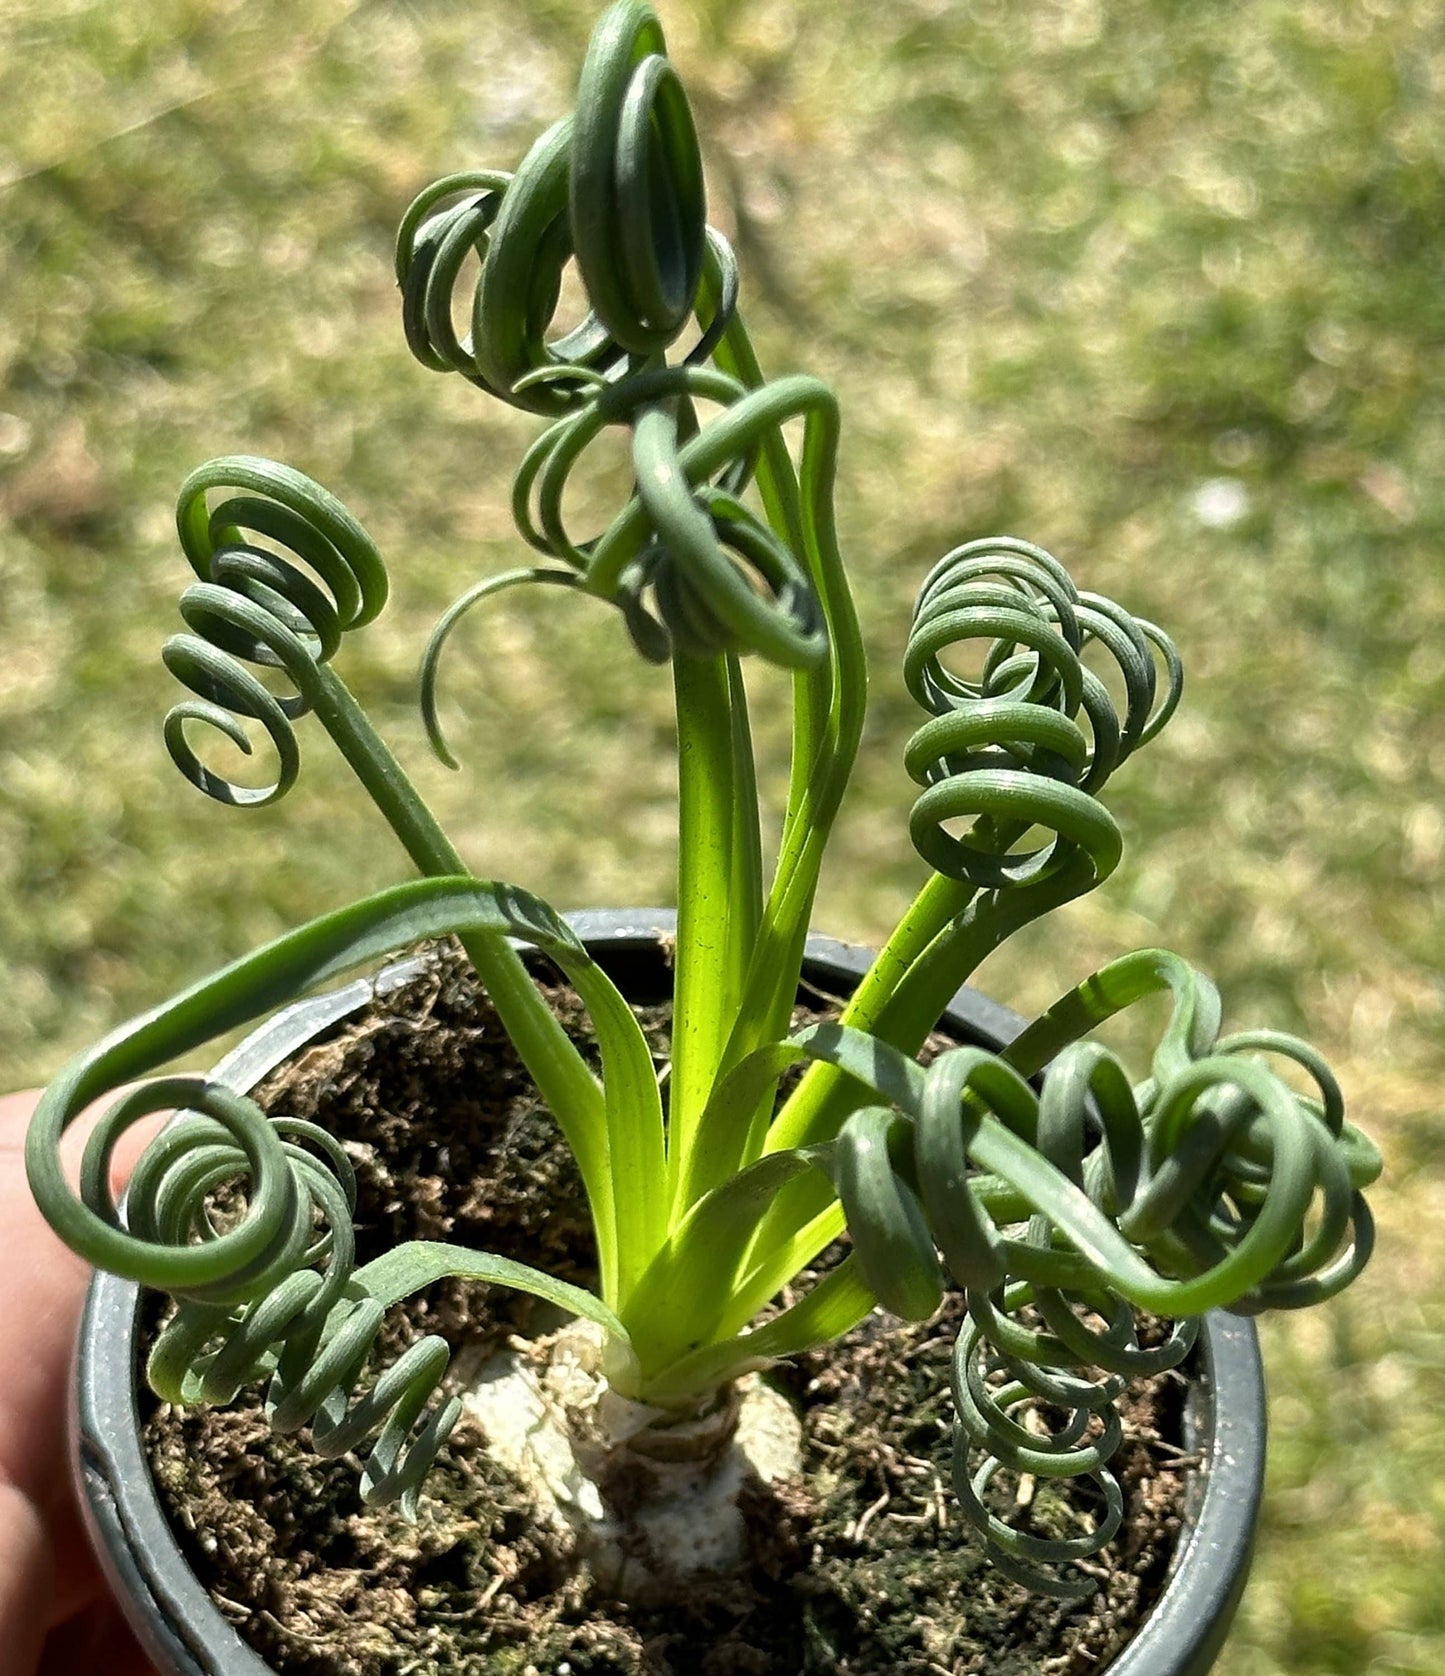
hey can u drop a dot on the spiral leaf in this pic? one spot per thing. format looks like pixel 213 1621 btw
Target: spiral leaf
pixel 691 567
pixel 303 1327
pixel 256 605
pixel 1212 1184
pixel 266 1294
pixel 619 186
pixel 1008 749
pixel 638 210
pixel 990 1419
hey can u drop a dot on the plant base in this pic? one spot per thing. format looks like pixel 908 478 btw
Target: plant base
pixel 648 1509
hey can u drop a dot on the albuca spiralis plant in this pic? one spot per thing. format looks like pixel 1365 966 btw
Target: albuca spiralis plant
pixel 1058 1193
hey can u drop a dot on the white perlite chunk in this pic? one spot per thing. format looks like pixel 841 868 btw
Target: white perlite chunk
pixel 553 1423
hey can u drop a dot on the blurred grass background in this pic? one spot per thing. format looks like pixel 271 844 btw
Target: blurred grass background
pixel 1157 285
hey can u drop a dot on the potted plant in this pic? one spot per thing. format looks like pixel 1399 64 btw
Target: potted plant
pixel 1023 1170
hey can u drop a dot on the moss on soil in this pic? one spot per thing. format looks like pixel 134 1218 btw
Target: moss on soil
pixel 863 1564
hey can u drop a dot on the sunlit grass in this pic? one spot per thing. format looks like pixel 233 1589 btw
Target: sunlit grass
pixel 1154 285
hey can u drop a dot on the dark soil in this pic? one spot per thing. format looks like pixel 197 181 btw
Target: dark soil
pixel 863 1565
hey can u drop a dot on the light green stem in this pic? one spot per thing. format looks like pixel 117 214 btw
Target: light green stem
pixel 745 893
pixel 712 939
pixel 544 1047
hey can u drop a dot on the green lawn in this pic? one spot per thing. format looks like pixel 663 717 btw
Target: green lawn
pixel 1154 284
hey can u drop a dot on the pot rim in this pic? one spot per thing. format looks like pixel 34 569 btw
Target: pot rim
pixel 184 1633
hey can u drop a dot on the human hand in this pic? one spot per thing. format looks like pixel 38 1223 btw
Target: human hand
pixel 57 1616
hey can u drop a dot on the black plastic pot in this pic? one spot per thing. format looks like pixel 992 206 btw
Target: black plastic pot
pixel 185 1634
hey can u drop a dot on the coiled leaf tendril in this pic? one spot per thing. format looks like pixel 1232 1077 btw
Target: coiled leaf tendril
pixel 262 1293
pixel 1213 1184
pixel 619 187
pixel 255 604
pixel 1006 748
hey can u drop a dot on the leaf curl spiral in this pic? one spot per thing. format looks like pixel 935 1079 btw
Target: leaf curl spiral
pixel 1008 748
pixel 265 1296
pixel 304 1332
pixel 256 605
pixel 260 1293
pixel 1078 1380
pixel 1211 1184
pixel 692 568
pixel 619 187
